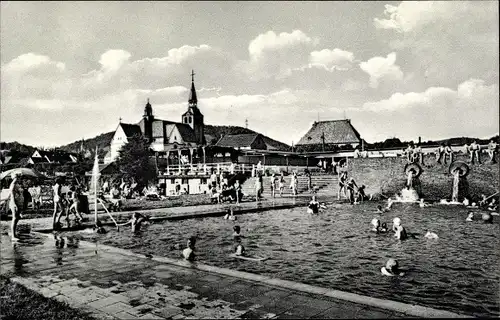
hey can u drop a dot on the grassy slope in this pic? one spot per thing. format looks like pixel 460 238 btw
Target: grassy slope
pixel 18 302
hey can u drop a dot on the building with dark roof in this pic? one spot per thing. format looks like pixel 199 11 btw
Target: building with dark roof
pixel 330 133
pixel 163 135
pixel 246 141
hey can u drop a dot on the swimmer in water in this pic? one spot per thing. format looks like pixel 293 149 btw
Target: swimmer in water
pixel 239 250
pixel 422 204
pixel 188 253
pixel 381 210
pixel 375 225
pixel 470 217
pixel 136 222
pixel 383 228
pixel 466 202
pixel 98 227
pixel 391 268
pixel 237 232
pixel 400 231
pixel 313 206
pixel 431 235
pixel 229 215
pixel 487 217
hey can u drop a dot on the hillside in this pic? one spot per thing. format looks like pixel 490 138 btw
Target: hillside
pixel 212 134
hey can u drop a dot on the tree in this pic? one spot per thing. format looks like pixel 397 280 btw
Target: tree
pixel 134 161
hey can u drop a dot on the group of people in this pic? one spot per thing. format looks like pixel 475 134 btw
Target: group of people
pixel 349 188
pixel 72 202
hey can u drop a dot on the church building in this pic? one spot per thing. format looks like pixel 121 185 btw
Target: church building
pixel 164 136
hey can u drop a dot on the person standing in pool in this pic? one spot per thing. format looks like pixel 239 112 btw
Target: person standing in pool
pixel 391 268
pixel 313 206
pixel 399 230
pixel 351 191
pixel 258 187
pixel 342 184
pixel 188 253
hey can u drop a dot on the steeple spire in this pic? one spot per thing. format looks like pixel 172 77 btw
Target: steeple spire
pixel 193 100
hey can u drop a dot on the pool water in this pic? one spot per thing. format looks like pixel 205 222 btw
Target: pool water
pixel 335 249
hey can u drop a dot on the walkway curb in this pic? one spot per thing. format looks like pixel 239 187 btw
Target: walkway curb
pixel 408 309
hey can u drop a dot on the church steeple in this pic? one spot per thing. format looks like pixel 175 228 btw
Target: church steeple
pixel 148 121
pixel 193 100
pixel 148 110
pixel 193 117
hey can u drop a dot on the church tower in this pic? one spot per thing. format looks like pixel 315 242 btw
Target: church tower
pixel 193 116
pixel 148 122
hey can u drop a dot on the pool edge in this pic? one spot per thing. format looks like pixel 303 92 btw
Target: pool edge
pixel 390 305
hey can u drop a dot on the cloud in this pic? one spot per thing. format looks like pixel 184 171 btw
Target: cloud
pixel 437 112
pixel 274 55
pixel 408 15
pixel 330 60
pixel 30 62
pixel 382 68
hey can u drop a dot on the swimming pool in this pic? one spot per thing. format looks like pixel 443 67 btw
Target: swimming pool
pixel 335 249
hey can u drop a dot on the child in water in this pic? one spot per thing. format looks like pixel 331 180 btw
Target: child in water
pixel 98 227
pixel 240 250
pixel 237 232
pixel 136 222
pixel 381 210
pixel 391 268
pixel 229 215
pixel 375 225
pixel 400 231
pixel 470 217
pixel 188 253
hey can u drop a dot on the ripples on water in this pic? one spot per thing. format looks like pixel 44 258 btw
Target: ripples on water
pixel 458 272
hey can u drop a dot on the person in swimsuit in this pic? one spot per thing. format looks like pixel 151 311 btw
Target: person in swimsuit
pixel 135 222
pixel 399 230
pixel 99 228
pixel 273 184
pixel 409 153
pixel 342 185
pixel 36 197
pixel 418 156
pixel 237 232
pixel 16 202
pixel 230 215
pixel 375 225
pixel 440 153
pixel 258 187
pixel 188 253
pixel 448 153
pixel 351 191
pixel 475 149
pixel 391 268
pixel 313 206
pixel 470 217
pixel 237 189
pixel 58 204
pixel 281 183
pixel 492 151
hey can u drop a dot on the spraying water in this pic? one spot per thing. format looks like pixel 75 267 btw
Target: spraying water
pixel 95 181
pixel 456 185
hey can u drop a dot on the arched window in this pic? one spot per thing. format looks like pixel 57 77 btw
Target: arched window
pixel 189 119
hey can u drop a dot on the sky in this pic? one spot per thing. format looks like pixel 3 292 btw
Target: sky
pixel 71 70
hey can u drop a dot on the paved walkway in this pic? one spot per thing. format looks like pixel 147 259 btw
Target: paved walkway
pixel 177 212
pixel 112 283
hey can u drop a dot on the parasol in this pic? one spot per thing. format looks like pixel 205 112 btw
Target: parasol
pixel 415 167
pixel 459 165
pixel 26 172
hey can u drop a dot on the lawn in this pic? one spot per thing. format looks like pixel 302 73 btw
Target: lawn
pixel 18 302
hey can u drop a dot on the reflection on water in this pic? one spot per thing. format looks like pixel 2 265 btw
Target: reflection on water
pixel 458 272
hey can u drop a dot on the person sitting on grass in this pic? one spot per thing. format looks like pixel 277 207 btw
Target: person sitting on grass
pixel 188 253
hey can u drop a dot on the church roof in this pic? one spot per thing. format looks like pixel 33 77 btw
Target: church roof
pixel 131 129
pixel 186 132
pixel 192 95
pixel 237 140
pixel 335 132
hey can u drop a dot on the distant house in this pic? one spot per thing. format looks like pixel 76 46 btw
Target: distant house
pixel 246 141
pixel 4 159
pixel 59 157
pixel 330 133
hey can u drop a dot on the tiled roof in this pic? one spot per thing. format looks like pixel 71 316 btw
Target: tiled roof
pixel 237 140
pixel 131 129
pixel 186 132
pixel 335 132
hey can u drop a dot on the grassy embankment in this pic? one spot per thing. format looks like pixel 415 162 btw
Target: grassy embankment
pixel 18 302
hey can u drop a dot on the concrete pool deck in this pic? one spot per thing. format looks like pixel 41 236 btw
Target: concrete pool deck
pixel 112 283
pixel 175 213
